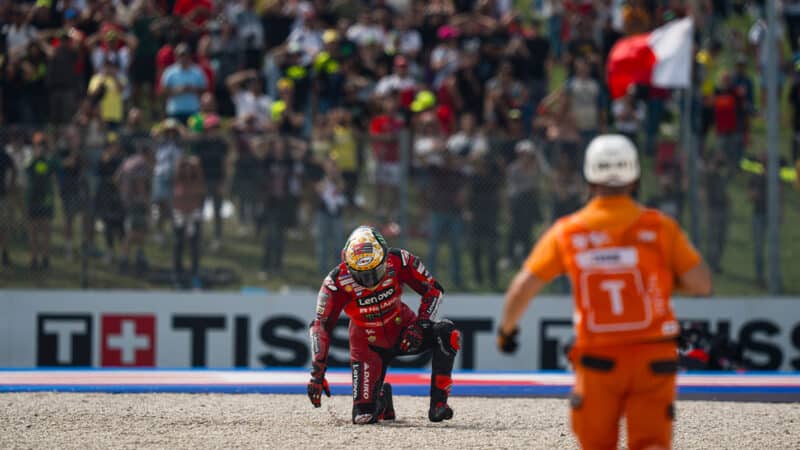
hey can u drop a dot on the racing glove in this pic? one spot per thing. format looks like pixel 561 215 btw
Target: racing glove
pixel 318 385
pixel 507 343
pixel 411 338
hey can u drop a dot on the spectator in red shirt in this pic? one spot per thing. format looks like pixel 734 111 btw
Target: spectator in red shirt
pixel 384 131
pixel 193 13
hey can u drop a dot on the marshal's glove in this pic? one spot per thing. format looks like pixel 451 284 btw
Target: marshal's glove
pixel 318 385
pixel 411 338
pixel 507 343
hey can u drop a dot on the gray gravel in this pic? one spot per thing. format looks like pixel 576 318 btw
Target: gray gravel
pixel 50 420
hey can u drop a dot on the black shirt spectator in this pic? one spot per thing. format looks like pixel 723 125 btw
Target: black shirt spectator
pixel 40 172
pixel 447 189
pixel 745 89
pixel 71 180
pixel 277 25
pixel 40 199
pixel 791 13
pixel 758 198
pixel 289 118
pixel 293 69
pixel 584 47
pixel 430 24
pixel 470 85
pixel 145 20
pixel 7 180
pixel 758 194
pixel 447 202
pixel 484 207
pixel 280 207
pixel 227 55
pixel 212 149
pixel 12 81
pixel 717 180
pixel 520 57
pixel 794 103
pixel 248 173
pixel 328 73
pixel 526 50
pixel 34 100
pixel 539 49
pixel 610 36
pixel 718 205
pixel 108 203
pixel 7 171
pixel 63 81
pixel 484 203
pixel 567 187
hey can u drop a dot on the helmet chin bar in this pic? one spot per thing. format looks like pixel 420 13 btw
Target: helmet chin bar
pixel 369 278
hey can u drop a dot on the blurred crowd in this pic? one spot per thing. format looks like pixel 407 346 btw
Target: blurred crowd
pixel 149 116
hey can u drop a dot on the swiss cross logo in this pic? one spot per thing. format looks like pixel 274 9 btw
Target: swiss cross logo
pixel 128 340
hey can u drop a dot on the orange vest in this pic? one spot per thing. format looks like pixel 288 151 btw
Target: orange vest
pixel 621 282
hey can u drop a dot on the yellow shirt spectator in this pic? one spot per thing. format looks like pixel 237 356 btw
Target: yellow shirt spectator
pixel 344 149
pixel 111 101
pixel 711 67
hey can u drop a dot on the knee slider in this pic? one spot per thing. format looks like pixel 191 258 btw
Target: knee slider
pixel 447 337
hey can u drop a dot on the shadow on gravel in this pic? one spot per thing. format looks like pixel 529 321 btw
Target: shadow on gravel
pixel 450 425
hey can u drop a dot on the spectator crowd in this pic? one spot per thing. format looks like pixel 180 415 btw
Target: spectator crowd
pixel 145 118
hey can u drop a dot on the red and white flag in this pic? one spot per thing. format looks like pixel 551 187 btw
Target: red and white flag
pixel 661 58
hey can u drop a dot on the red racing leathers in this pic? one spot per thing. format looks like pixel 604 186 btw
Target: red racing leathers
pixel 381 326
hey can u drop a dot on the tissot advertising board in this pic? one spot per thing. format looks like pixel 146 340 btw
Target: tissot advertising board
pixel 176 330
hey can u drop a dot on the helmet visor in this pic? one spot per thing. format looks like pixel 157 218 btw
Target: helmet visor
pixel 369 278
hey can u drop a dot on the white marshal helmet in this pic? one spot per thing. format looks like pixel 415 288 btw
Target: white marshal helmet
pixel 611 160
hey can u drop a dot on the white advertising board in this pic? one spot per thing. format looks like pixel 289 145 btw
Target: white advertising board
pixel 219 330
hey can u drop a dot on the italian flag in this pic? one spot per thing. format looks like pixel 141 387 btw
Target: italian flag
pixel 660 58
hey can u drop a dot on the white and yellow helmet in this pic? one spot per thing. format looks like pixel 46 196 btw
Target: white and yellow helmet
pixel 611 160
pixel 365 254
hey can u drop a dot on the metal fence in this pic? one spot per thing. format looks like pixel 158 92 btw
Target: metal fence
pixel 235 207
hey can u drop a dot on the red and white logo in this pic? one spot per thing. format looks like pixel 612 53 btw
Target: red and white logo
pixel 128 340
